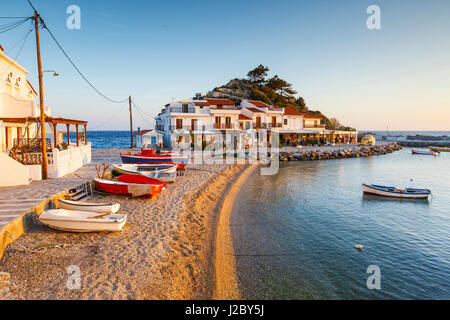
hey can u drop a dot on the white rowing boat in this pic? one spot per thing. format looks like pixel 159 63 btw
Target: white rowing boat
pixel 394 192
pixel 87 206
pixel 82 221
pixel 424 152
pixel 161 172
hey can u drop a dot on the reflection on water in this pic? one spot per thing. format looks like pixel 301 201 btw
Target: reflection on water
pixel 294 232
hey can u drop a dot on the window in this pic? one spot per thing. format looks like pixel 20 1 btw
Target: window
pixel 179 123
pixel 185 108
pixel 285 122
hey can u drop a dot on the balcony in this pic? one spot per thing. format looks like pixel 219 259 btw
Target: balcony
pixel 275 125
pixel 260 125
pixel 188 128
pixel 182 109
pixel 223 125
pixel 313 126
pixel 159 127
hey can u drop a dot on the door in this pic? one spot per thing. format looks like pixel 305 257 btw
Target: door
pixel 258 122
pixel 193 124
pixel 217 123
pixel 274 122
pixel 179 123
pixel 228 123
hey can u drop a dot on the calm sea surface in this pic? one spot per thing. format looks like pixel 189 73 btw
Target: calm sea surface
pixel 294 232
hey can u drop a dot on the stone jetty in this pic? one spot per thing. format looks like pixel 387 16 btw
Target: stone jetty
pixel 337 153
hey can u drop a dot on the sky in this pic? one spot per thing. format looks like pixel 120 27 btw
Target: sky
pixel 157 51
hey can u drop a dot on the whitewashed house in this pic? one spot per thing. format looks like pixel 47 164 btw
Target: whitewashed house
pixel 19 121
pixel 149 139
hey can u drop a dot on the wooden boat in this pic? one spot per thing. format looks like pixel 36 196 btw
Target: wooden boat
pixel 86 206
pixel 409 193
pixel 149 156
pixel 131 184
pixel 161 172
pixel 439 149
pixel 424 152
pixel 82 221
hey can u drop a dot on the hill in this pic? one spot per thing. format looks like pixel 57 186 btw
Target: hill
pixel 273 91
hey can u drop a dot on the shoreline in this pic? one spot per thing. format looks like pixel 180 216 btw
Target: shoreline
pixel 166 250
pixel 226 285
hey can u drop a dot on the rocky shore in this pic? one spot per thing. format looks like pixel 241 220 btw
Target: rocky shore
pixel 337 153
pixel 423 144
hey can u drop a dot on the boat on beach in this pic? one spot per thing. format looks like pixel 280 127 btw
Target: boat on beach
pixel 82 221
pixel 150 156
pixel 395 192
pixel 424 152
pixel 131 184
pixel 87 206
pixel 161 172
pixel 439 149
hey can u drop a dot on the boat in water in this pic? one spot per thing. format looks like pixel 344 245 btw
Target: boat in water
pixel 395 192
pixel 161 172
pixel 89 206
pixel 439 149
pixel 131 184
pixel 82 221
pixel 150 156
pixel 424 152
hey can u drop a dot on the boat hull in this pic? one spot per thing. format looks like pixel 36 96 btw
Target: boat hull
pixel 424 152
pixel 74 221
pixel 123 187
pixel 86 206
pixel 396 193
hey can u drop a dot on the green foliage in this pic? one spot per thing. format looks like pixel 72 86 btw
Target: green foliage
pixel 259 74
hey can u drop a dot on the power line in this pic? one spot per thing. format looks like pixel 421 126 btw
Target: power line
pixel 12 25
pixel 76 68
pixel 110 119
pixel 24 39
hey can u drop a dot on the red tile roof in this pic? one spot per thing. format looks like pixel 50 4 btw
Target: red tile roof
pixel 255 110
pixel 223 102
pixel 258 103
pixel 289 111
pixel 140 133
pixel 242 117
pixel 308 115
pixel 1 48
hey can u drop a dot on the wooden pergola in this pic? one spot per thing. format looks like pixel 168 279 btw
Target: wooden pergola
pixel 54 122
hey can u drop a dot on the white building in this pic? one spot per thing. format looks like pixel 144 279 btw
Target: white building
pixel 149 139
pixel 19 126
pixel 203 117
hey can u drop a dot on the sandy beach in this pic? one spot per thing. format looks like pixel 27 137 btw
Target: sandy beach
pixel 166 250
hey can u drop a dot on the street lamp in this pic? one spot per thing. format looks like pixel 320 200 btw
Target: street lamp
pixel 54 72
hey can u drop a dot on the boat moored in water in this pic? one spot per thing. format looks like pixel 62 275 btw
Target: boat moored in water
pixel 395 192
pixel 87 206
pixel 82 221
pixel 424 152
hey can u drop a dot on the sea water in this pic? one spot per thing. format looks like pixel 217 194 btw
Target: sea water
pixel 294 232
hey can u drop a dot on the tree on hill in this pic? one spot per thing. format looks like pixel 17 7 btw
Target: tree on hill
pixel 280 86
pixel 258 75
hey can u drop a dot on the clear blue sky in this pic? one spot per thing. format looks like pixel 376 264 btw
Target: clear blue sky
pixel 159 50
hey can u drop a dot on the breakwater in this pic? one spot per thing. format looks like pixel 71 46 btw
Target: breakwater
pixel 423 144
pixel 339 153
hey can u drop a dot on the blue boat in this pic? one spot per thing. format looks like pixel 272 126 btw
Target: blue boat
pixel 395 192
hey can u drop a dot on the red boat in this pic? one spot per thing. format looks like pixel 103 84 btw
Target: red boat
pixel 131 184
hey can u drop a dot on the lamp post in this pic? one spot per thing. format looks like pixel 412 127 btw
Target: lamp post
pixel 54 72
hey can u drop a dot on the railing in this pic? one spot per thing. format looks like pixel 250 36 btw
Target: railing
pixel 260 125
pixel 275 125
pixel 314 126
pixel 187 128
pixel 159 127
pixel 182 110
pixel 223 125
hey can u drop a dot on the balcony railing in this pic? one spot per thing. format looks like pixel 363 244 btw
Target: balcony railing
pixel 223 125
pixel 275 125
pixel 182 110
pixel 314 126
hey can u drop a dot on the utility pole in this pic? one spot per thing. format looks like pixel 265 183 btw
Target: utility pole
pixel 131 123
pixel 41 97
